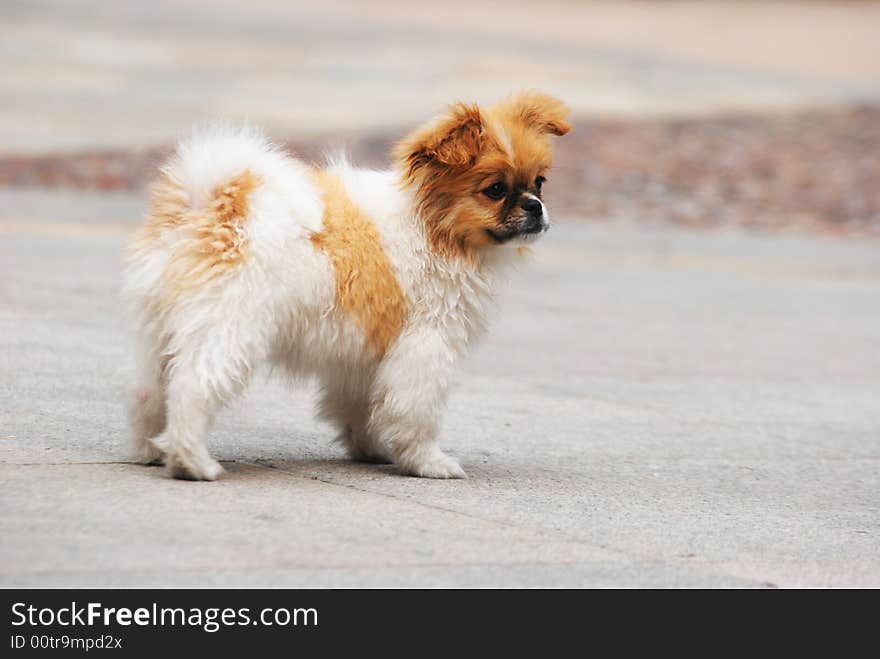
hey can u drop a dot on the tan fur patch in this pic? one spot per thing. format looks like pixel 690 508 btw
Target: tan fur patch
pixel 169 206
pixel 366 286
pixel 211 242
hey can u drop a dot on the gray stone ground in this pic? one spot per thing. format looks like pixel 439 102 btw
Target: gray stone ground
pixel 651 408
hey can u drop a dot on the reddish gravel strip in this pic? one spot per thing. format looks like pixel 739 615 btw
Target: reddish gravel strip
pixel 816 170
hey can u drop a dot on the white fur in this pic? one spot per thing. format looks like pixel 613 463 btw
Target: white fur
pixel 278 308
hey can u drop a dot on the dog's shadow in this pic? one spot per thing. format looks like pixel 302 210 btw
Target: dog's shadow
pixel 314 469
pixel 321 469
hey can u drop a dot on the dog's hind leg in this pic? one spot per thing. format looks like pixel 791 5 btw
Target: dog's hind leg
pixel 190 408
pixel 146 402
pixel 198 384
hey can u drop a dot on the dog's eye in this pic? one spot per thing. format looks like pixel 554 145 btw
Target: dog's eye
pixel 539 182
pixel 496 191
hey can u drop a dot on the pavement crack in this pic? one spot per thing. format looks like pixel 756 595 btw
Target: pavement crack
pixel 496 522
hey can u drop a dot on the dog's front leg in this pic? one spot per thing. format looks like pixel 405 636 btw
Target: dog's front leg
pixel 408 396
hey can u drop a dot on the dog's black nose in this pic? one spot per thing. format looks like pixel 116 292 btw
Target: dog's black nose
pixel 531 205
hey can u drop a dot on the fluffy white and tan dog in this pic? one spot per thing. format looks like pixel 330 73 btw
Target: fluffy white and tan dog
pixel 372 281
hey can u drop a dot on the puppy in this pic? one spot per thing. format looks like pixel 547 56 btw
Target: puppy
pixel 372 281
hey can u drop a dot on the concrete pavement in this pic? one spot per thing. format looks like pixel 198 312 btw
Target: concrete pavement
pixel 652 407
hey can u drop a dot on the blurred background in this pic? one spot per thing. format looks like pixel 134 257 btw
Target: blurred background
pixel 680 388
pixel 700 113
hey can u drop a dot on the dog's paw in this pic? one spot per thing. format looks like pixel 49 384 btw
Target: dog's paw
pixel 434 465
pixel 203 469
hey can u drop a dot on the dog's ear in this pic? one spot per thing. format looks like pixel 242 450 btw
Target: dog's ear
pixel 453 139
pixel 539 111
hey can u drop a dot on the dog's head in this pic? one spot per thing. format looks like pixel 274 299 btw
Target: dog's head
pixel 477 173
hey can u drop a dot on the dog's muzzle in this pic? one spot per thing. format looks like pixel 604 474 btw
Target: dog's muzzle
pixel 535 220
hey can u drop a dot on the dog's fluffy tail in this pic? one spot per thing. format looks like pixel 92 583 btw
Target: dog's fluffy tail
pixel 217 153
pixel 224 178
